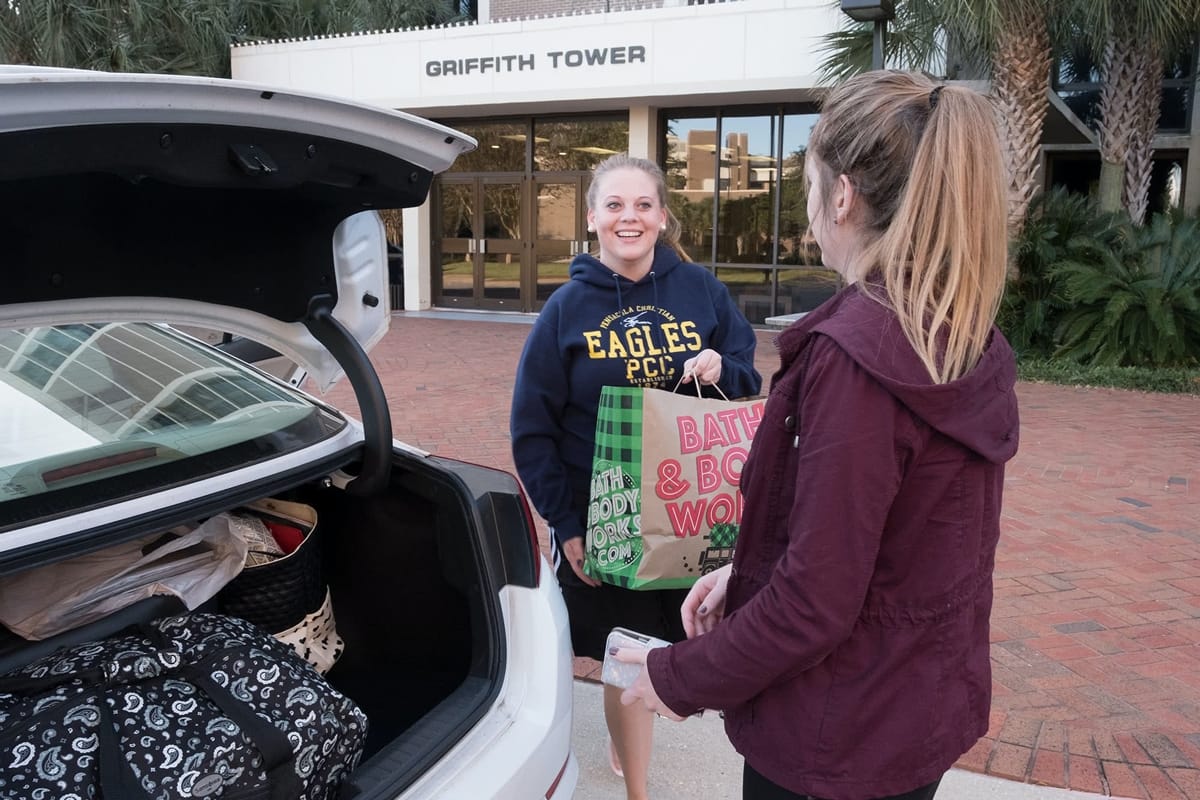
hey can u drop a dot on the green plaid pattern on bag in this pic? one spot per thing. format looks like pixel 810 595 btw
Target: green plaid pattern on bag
pixel 618 447
pixel 619 425
pixel 723 534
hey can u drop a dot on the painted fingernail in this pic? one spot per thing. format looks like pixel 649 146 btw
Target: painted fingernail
pixel 612 651
pixel 703 609
pixel 579 563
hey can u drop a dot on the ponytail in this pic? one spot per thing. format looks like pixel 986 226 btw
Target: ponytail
pixel 926 160
pixel 673 233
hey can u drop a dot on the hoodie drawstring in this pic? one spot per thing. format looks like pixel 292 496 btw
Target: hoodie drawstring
pixel 655 330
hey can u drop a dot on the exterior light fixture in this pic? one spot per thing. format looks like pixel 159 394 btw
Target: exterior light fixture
pixel 878 12
pixel 869 10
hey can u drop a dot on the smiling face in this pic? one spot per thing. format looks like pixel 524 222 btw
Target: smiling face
pixel 628 216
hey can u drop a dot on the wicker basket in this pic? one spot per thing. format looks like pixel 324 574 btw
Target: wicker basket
pixel 279 594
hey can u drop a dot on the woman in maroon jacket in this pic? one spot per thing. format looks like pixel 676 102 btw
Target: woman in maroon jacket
pixel 848 642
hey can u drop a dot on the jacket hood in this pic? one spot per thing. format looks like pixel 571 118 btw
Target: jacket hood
pixel 589 269
pixel 979 410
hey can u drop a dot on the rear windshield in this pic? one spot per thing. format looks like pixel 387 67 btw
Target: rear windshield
pixel 98 413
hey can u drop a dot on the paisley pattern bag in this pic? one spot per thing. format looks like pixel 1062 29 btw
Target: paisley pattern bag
pixel 190 706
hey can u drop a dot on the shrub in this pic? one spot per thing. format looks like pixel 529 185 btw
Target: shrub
pixel 1059 225
pixel 1146 379
pixel 1135 296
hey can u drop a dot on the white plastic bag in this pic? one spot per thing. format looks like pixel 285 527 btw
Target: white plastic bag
pixel 44 601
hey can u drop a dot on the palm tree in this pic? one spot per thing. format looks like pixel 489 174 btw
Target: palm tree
pixel 1013 37
pixel 185 36
pixel 1133 37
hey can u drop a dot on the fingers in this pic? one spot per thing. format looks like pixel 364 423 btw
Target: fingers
pixel 690 609
pixel 704 606
pixel 642 690
pixel 705 367
pixel 629 655
pixel 577 568
pixel 573 552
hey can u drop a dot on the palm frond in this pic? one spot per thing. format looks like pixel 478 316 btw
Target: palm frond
pixel 915 40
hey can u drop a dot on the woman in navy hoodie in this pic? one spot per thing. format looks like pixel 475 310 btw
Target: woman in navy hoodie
pixel 640 314
pixel 848 642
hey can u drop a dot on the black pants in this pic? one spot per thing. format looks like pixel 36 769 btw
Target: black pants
pixel 756 787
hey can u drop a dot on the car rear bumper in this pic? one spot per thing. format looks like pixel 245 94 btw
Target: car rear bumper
pixel 521 748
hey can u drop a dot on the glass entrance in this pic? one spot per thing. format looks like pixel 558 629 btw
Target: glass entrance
pixel 482 243
pixel 506 243
pixel 510 215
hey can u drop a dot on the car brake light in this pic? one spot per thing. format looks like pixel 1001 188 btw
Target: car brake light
pixel 533 539
pixel 97 464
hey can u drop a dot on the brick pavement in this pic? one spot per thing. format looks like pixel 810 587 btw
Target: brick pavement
pixel 1096 621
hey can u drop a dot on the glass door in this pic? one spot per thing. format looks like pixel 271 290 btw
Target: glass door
pixel 559 226
pixel 502 244
pixel 481 250
pixel 457 233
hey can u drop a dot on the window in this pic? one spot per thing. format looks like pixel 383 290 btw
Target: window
pixel 501 147
pixel 134 407
pixel 1076 78
pixel 736 183
pixel 569 145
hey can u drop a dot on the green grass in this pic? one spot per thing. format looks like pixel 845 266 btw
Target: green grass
pixel 1145 379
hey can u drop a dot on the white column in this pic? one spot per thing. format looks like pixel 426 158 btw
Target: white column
pixel 644 139
pixel 1191 180
pixel 418 257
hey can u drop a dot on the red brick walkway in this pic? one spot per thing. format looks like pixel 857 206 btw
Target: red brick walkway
pixel 1097 613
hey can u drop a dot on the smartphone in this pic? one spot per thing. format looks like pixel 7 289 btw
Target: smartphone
pixel 617 673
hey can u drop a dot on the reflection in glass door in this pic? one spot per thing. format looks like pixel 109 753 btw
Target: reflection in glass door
pixel 458 243
pixel 559 225
pixel 502 244
pixel 481 243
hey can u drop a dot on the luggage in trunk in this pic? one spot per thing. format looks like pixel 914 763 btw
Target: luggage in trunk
pixel 188 706
pixel 413 594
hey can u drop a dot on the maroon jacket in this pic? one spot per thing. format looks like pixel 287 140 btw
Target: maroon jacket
pixel 853 659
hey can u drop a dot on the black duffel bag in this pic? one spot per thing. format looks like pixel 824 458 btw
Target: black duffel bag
pixel 191 706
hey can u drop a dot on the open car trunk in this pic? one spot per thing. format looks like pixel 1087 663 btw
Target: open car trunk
pixel 176 203
pixel 415 587
pixel 414 572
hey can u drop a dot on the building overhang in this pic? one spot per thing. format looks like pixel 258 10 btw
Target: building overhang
pixel 755 51
pixel 1062 126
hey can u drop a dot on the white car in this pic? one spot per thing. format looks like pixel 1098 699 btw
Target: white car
pixel 136 209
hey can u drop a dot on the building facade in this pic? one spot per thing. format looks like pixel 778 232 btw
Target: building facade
pixel 721 94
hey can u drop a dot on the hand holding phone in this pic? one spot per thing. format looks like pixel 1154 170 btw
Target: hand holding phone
pixel 620 674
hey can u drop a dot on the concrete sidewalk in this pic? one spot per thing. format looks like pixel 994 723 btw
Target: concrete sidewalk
pixel 694 760
pixel 1096 623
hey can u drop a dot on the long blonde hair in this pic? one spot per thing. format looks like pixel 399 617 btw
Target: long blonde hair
pixel 926 160
pixel 674 230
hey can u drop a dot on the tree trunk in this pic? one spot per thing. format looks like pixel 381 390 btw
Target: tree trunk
pixel 1020 79
pixel 1119 75
pixel 1112 181
pixel 1139 165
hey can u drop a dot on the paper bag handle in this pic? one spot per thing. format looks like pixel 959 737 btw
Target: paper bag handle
pixel 697 383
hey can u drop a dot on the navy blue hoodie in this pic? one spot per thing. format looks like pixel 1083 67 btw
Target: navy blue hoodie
pixel 601 329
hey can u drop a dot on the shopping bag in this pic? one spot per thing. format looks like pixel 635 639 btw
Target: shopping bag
pixel 192 563
pixel 665 503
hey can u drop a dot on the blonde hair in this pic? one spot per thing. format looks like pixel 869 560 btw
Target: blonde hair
pixel 926 160
pixel 674 230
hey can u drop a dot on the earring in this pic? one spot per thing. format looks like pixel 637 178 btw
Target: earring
pixel 662 227
pixel 591 228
